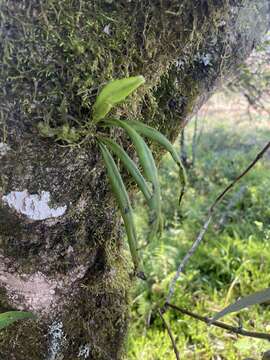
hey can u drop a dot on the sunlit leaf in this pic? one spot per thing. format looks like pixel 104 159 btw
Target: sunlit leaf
pixel 114 93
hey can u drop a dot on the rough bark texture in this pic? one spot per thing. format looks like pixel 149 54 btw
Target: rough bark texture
pixel 60 239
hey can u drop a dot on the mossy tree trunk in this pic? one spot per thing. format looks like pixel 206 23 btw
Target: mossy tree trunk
pixel 60 235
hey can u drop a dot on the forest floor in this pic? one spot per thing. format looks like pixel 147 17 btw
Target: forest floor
pixel 233 260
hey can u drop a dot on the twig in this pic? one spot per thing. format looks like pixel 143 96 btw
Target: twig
pixel 187 257
pixel 170 335
pixel 200 237
pixel 233 329
pixel 229 187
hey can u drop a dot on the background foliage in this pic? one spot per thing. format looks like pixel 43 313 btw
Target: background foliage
pixel 233 260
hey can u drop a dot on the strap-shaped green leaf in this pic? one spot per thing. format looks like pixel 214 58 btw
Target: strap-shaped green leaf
pixel 150 173
pixel 9 317
pixel 156 136
pixel 123 202
pixel 155 218
pixel 256 298
pixel 130 166
pixel 113 93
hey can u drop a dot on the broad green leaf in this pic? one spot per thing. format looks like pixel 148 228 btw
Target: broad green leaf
pixel 114 93
pixel 130 166
pixel 9 317
pixel 123 202
pixel 156 136
pixel 256 298
pixel 150 173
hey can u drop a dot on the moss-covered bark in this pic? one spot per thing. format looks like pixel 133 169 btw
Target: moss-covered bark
pixel 55 54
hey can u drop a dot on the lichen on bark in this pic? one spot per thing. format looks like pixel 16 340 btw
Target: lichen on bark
pixel 55 55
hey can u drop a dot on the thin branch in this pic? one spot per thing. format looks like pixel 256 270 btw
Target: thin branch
pixel 203 230
pixel 229 187
pixel 233 329
pixel 170 335
pixel 187 257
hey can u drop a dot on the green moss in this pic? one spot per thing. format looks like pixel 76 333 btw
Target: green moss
pixel 102 300
pixel 35 337
pixel 55 55
pixel 95 315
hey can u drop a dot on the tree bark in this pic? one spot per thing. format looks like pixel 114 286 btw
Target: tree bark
pixel 61 245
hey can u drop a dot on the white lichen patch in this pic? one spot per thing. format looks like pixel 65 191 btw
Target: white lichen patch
pixel 4 148
pixel 84 351
pixel 35 207
pixel 56 334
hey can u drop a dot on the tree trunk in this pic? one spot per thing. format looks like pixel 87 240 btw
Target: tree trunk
pixel 60 234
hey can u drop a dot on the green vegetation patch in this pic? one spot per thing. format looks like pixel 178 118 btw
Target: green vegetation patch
pixel 232 261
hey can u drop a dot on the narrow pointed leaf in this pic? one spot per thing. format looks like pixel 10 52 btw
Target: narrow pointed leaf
pixel 256 298
pixel 156 136
pixel 113 93
pixel 150 173
pixel 123 202
pixel 155 219
pixel 9 317
pixel 130 166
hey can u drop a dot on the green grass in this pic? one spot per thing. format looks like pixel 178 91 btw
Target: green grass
pixel 232 261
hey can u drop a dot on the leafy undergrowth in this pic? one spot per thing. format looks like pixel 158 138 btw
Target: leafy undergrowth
pixel 232 261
